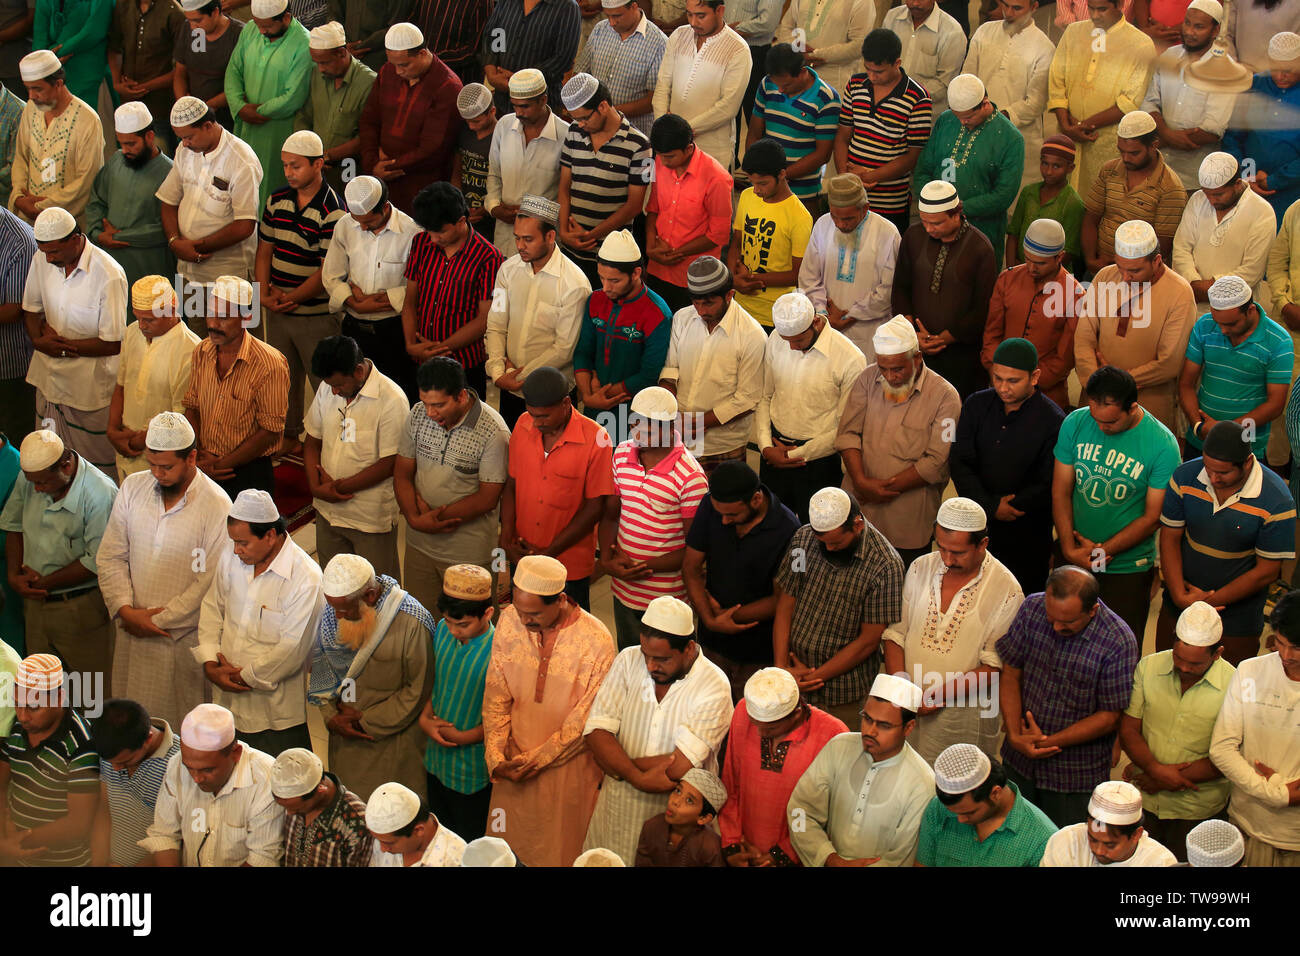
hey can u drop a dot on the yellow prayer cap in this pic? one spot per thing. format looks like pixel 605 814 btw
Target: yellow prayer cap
pixel 153 294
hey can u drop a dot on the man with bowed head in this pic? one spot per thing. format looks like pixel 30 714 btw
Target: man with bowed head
pixel 406 833
pixel 1111 836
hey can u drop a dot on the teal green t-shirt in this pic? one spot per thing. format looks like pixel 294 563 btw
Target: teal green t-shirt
pixel 1112 475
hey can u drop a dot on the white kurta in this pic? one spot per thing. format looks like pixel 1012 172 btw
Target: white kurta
pixel 834 31
pixel 536 316
pixel 1182 107
pixel 1069 847
pixel 1207 247
pixel 445 849
pixel 517 169
pixel 932 52
pixel 855 272
pixel 705 87
pixel 154 375
pixel 804 393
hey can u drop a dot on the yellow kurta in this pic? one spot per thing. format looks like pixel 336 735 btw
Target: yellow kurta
pixel 154 376
pixel 58 160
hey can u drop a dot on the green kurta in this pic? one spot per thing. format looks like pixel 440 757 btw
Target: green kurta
pixel 80 29
pixel 125 197
pixel 276 75
pixel 334 112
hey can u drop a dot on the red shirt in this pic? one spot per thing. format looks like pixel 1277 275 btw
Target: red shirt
pixel 690 203
pixel 1047 317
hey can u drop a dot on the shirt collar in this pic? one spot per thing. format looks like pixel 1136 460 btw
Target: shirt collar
pixel 1218 675
pixel 72 501
pixel 1015 29
pixel 1253 487
pixel 282 564
pixel 242 775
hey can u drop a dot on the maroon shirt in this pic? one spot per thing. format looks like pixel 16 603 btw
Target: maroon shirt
pixel 449 290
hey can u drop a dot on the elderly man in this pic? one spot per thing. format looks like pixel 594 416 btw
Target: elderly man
pixel 1137 316
pixel 122 214
pixel 406 833
pixel 371 674
pixel 325 822
pixel 200 68
pixel 538 303
pixel 775 735
pixel 933 47
pixel 957 602
pixel 134 750
pixel 848 268
pixel 60 143
pixel 861 800
pixel 623 52
pixel 663 709
pixel 1067 675
pixel 154 372
pixel 54 520
pixel 226 785
pixel 257 624
pixel 49 772
pixel 163 542
pixel 74 308
pixel 1112 835
pixel 809 370
pixel 549 657
pixel 340 87
pixel 895 436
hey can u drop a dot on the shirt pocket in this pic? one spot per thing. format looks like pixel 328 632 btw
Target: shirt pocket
pixel 1079 694
pixel 908 442
pixel 215 202
pixel 82 321
pixel 232 838
pixel 270 627
pixel 563 486
pixel 924 55
pixel 545 317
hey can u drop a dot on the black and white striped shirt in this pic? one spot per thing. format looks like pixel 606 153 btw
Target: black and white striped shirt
pixel 600 178
pixel 17 249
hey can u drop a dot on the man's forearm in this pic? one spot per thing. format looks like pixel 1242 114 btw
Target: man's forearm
pixel 578 528
pixel 852 654
pixel 1081 731
pixel 251 448
pixel 1130 535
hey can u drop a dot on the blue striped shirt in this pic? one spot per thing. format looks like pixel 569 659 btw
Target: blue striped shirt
pixel 798 124
pixel 460 672
pixel 628 68
pixel 132 797
pixel 17 249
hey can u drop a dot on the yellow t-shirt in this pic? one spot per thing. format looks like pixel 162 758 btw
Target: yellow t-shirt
pixel 772 236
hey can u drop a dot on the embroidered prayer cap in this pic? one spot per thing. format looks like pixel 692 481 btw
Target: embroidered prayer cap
pixel 899 691
pixel 1117 802
pixel 132 118
pixel 670 614
pixel 327 36
pixel 38 64
pixel 153 294
pixel 39 672
pixel 467 582
pixel 706 275
pixel 1061 144
pixel 403 36
pixel 895 337
pixel 54 224
pixel 169 431
pixel 829 508
pixel 40 450
pixel 1136 123
pixel 1211 8
pixel 345 575
pixel 1020 354
pixel 208 727
pixel 1283 49
pixel 187 111
pixel 304 143
pixel 599 856
pixel 266 9
pixel 793 313
pixel 1217 170
pixel 1226 441
pixel 1215 843
pixel 709 785
pixel 770 694
pixel 233 290
pixel 1044 237
pixel 540 574
pixel 965 92
pixel 655 403
pixel 527 84
pixel 544 387
pixel 473 100
pixel 580 88
pixel 296 773
pixel 362 194
pixel 962 514
pixel 391 807
pixel 845 190
pixel 539 207
pixel 254 506
pixel 961 768
pixel 1199 625
pixel 488 851
pixel 1136 239
pixel 938 196
pixel 1229 292
pixel 619 246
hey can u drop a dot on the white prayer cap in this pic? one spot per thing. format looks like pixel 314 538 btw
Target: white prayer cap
pixel 208 727
pixel 895 337
pixel 770 694
pixel 829 508
pixel 899 691
pixel 328 36
pixel 488 851
pixel 1215 843
pixel 793 313
pixel 473 100
pixel 391 807
pixel 403 36
pixel 169 431
pixel 962 514
pixel 540 574
pixel 362 195
pixel 1216 170
pixel 40 450
pixel 1199 625
pixel 1211 8
pixel 296 773
pixel 39 672
pixel 539 207
pixel 53 224
pixel 1044 237
pixel 234 290
pixel 614 4
pixel 527 84
pixel 266 9
pixel 599 856
pixel 132 118
pixel 1283 48
pixel 187 111
pixel 1117 802
pixel 1229 292
pixel 190 6
pixel 580 88
pixel 346 574
pixel 938 196
pixel 655 403
pixel 1136 123
pixel 38 64
pixel 965 92
pixel 1135 239
pixel 961 768
pixel 708 784
pixel 304 143
pixel 254 506
pixel 669 614
pixel 619 246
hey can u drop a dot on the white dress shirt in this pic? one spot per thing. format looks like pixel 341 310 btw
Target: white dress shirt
pixel 536 316
pixel 375 261
pixel 705 87
pixel 154 375
pixel 264 625
pixel 856 274
pixel 720 372
pixel 88 304
pixel 1069 847
pixel 1207 247
pixel 932 52
pixel 516 169
pixel 1013 60
pixel 1183 107
pixel 445 849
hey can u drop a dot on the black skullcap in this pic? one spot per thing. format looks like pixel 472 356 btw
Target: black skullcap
pixel 733 481
pixel 545 387
pixel 1225 442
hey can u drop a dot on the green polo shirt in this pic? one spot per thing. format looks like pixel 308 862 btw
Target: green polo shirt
pixel 1019 841
pixel 335 112
pixel 1177 727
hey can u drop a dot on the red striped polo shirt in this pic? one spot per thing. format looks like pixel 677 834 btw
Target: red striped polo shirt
pixel 450 289
pixel 884 131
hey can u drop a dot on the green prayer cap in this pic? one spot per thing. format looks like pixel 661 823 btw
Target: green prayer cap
pixel 1017 353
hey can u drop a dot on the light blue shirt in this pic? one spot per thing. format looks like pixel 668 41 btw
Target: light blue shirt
pixel 756 20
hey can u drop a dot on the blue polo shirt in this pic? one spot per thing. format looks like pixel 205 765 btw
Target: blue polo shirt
pixel 799 123
pixel 1019 841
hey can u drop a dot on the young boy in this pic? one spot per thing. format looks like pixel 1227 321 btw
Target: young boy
pixel 684 835
pixel 457 779
pixel 1053 198
pixel 470 163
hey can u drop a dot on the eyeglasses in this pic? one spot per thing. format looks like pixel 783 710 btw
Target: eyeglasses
pixel 878 724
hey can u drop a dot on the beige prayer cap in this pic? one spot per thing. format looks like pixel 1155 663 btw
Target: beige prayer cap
pixel 254 506
pixel 962 514
pixel 345 575
pixel 656 403
pixel 133 117
pixel 1216 170
pixel 169 431
pixel 899 691
pixel 845 189
pixel 467 582
pixel 403 36
pixel 187 111
pixel 38 64
pixel 488 851
pixel 599 856
pixel 328 36
pixel 1136 123
pixel 540 574
pixel 938 196
pixel 304 143
pixel 770 694
pixel 39 672
pixel 619 246
pixel 153 294
pixel 670 615
pixel 40 450
pixel 961 768
pixel 1136 239
pixel 1211 8
pixel 1199 625
pixel 710 787
pixel 965 92
pixel 296 773
pixel 1283 50
pixel 362 194
pixel 1117 802
pixel 793 313
pixel 54 224
pixel 895 337
pixel 1215 843
pixel 208 727
pixel 527 84
pixel 233 290
pixel 391 807
pixel 828 509
pixel 266 9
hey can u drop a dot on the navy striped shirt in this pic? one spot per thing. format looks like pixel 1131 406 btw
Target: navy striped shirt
pixel 546 40
pixel 300 238
pixel 799 123
pixel 17 249
pixel 449 291
pixel 132 797
pixel 884 131
pixel 600 180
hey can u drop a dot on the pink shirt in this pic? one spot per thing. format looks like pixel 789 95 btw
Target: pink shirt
pixel 690 203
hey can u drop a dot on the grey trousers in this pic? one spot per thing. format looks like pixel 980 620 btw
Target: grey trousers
pixel 296 336
pixel 380 549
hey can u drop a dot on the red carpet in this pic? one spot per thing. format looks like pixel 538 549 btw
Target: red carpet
pixel 291 495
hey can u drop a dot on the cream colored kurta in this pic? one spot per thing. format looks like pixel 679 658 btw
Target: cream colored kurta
pixel 1069 847
pixel 154 376
pixel 932 52
pixel 57 160
pixel 705 86
pixel 1207 247
pixel 833 30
